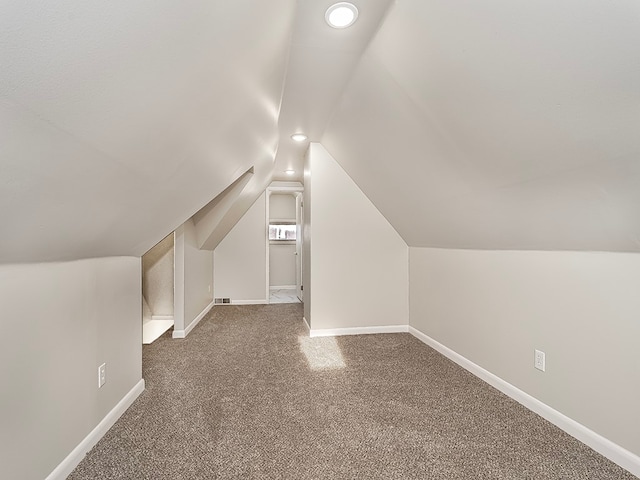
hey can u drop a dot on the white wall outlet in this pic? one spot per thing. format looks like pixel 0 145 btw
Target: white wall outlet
pixel 539 361
pixel 102 375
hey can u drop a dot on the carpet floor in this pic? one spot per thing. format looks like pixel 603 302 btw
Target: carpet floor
pixel 248 395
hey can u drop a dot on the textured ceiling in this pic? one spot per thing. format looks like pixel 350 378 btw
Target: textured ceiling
pixel 496 124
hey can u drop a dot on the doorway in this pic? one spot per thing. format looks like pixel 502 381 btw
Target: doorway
pixel 158 289
pixel 284 245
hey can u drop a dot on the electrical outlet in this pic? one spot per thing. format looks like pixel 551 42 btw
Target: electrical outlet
pixel 539 360
pixel 102 375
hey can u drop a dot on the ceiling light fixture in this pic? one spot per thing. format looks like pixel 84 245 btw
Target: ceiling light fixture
pixel 299 137
pixel 289 172
pixel 341 15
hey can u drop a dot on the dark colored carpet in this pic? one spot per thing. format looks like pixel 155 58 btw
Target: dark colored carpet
pixel 239 399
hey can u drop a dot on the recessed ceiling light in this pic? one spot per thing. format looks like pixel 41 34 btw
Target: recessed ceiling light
pixel 299 137
pixel 341 15
pixel 289 172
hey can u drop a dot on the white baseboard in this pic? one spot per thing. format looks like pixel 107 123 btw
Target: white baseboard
pixel 191 326
pixel 283 287
pixel 161 317
pixel 617 454
pixel 336 332
pixel 247 302
pixel 72 460
pixel 306 324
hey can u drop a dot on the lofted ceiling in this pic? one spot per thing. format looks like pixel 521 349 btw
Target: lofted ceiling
pixel 121 119
pixel 321 61
pixel 497 124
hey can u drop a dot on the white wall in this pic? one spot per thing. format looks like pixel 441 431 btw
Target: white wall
pixel 282 207
pixel 60 321
pixel 157 277
pixel 359 264
pixel 193 278
pixel 306 237
pixel 240 260
pixel 581 309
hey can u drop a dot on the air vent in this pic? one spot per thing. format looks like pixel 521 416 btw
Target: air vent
pixel 226 300
pixel 217 300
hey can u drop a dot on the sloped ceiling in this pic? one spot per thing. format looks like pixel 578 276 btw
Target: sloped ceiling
pixel 120 119
pixel 496 124
pixel 500 124
pixel 321 62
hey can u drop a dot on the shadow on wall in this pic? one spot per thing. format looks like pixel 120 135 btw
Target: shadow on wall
pixel 158 280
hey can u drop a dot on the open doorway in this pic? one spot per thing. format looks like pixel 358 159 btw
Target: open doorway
pixel 284 246
pixel 158 289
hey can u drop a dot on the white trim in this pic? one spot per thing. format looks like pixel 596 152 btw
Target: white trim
pixel 286 187
pixel 191 326
pixel 64 469
pixel 617 454
pixel 336 332
pixel 291 221
pixel 247 302
pixel 161 317
pixel 267 251
pixel 283 287
pixel 307 325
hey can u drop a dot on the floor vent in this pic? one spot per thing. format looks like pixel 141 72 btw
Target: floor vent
pixel 226 300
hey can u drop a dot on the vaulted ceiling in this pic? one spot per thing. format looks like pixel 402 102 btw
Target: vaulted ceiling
pixel 497 124
pixel 500 124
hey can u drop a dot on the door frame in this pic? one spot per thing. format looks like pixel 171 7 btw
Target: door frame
pixel 295 189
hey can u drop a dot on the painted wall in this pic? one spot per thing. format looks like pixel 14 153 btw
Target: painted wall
pixel 581 309
pixel 194 276
pixel 240 260
pixel 157 277
pixel 282 207
pixel 359 263
pixel 60 321
pixel 306 237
